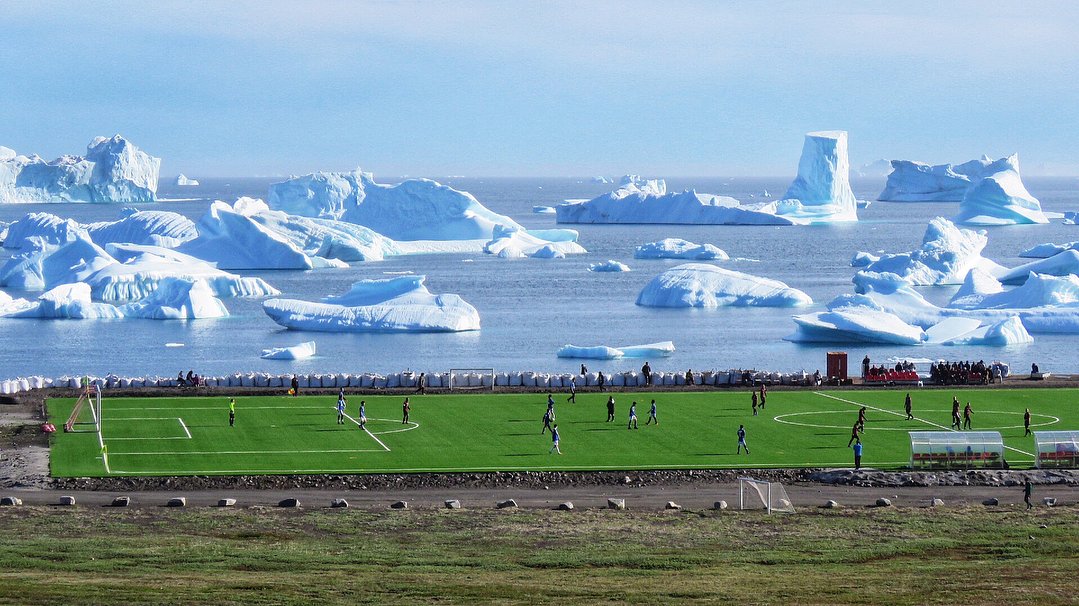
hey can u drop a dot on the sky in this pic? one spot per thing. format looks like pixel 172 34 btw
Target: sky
pixel 550 88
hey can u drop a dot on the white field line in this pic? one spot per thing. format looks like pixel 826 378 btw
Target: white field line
pixel 240 452
pixel 900 414
pixel 784 419
pixel 365 430
pixel 184 426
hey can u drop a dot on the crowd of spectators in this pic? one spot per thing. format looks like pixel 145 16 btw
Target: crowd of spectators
pixel 964 373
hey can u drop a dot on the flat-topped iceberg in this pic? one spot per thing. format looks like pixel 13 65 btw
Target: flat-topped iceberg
pixel 947 254
pixel 855 325
pixel 113 170
pixel 602 352
pixel 609 265
pixel 296 352
pixel 912 181
pixel 183 181
pixel 677 248
pixel 1000 198
pixel 401 304
pixel 416 209
pixel 703 285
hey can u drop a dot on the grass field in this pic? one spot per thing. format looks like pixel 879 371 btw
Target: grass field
pixel 496 432
pixel 893 556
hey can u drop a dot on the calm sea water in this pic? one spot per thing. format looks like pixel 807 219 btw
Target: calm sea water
pixel 531 307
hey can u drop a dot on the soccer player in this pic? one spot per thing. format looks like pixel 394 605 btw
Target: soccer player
pixel 550 406
pixel 853 435
pixel 546 422
pixel 858 454
pixel 572 390
pixel 742 439
pixel 341 408
pixel 554 440
pixel 652 414
pixel 610 408
pixel 956 422
pixel 754 403
pixel 632 416
pixel 861 419
pixel 1026 423
pixel 967 413
pixel 907 407
pixel 404 410
pixel 764 394
pixel 363 414
pixel 232 412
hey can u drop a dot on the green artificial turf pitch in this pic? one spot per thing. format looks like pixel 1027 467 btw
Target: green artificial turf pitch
pixel 499 432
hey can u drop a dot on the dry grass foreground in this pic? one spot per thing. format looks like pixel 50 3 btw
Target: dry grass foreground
pixel 892 556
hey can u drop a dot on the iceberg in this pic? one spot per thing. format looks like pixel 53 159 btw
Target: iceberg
pixel 821 192
pixel 177 299
pixel 1000 198
pixel 1001 334
pixel 601 180
pixel 1044 251
pixel 609 265
pixel 855 325
pixel 67 301
pixel 912 181
pixel 35 229
pixel 1061 264
pixel 703 285
pixel 543 210
pixel 296 352
pixel 182 180
pixel 976 287
pixel 511 243
pixel 602 352
pixel 677 248
pixel 113 170
pixel 401 304
pixel 152 227
pixel 876 168
pixel 661 349
pixel 3 231
pixel 947 254
pixel 863 259
pixel 416 209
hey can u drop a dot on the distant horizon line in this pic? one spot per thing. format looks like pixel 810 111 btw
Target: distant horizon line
pixel 588 178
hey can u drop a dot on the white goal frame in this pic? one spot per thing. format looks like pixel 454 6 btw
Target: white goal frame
pixel 772 495
pixel 487 376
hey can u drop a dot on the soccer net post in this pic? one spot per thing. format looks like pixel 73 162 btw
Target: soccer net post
pixel 471 378
pixel 759 494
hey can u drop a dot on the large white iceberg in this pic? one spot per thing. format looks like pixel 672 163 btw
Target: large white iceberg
pixel 113 170
pixel 1000 198
pixel 703 285
pixel 821 192
pixel 183 180
pixel 174 299
pixel 153 227
pixel 296 352
pixel 1007 332
pixel 416 209
pixel 67 301
pixel 855 325
pixel 1044 251
pixel 947 254
pixel 401 304
pixel 919 182
pixel 1061 264
pixel 677 248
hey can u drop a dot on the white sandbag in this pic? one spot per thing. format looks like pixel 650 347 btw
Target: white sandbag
pixel 502 379
pixel 515 379
pixel 393 380
pixel 473 380
pixel 434 380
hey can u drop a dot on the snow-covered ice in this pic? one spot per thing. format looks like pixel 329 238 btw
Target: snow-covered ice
pixel 46 228
pixel 912 181
pixel 863 259
pixel 113 170
pixel 296 352
pixel 174 299
pixel 154 227
pixel 1000 198
pixel 512 243
pixel 1061 264
pixel 855 325
pixel 677 248
pixel 603 352
pixel 1007 332
pixel 1044 251
pixel 183 180
pixel 401 304
pixel 947 254
pixel 703 285
pixel 976 287
pixel 609 265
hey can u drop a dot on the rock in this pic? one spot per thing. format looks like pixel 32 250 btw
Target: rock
pixel 936 503
pixel 627 480
pixel 399 505
pixel 567 506
pixel 1049 501
pixel 507 504
pixel 339 504
pixel 453 504
pixel 719 505
pixel 289 502
pixel 10 501
pixel 616 503
pixel 226 502
pixel 884 502
pixel 67 500
pixel 673 505
pixel 176 502
pixel 829 504
pixel 121 502
pixel 993 502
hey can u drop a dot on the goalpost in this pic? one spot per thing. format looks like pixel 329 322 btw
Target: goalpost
pixel 758 494
pixel 471 378
pixel 90 396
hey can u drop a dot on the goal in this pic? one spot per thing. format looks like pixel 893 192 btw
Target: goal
pixel 758 494
pixel 471 378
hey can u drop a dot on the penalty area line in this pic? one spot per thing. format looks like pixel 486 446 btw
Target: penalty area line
pixel 184 427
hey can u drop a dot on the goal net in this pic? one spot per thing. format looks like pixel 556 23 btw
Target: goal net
pixel 472 378
pixel 758 494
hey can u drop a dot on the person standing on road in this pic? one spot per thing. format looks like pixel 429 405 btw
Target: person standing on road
pixel 652 414
pixel 907 407
pixel 858 454
pixel 753 403
pixel 405 408
pixel 632 416
pixel 1028 492
pixel 967 413
pixel 232 412
pixel 610 408
pixel 341 408
pixel 742 440
pixel 1026 423
pixel 554 440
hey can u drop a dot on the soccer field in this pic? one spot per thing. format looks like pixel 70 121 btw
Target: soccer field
pixel 277 434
